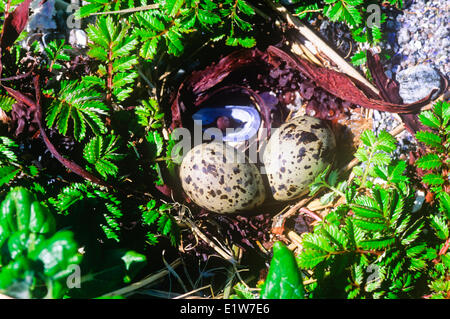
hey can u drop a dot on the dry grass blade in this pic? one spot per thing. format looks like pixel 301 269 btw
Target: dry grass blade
pixel 144 282
pixel 190 293
pixel 224 254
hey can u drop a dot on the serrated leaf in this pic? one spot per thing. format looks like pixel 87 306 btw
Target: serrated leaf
pixel 100 153
pixel 368 138
pixel 366 212
pixel 335 12
pixel 88 9
pixel 386 142
pixel 6 103
pixel 124 63
pixel 433 179
pixel 351 15
pixel 7 174
pixel 173 6
pixel 174 42
pixel 309 259
pixel 429 119
pixel 149 48
pixel 430 139
pixel 245 8
pixel 208 18
pixel 359 58
pixel 377 244
pixel 369 225
pixel 429 161
pixel 440 227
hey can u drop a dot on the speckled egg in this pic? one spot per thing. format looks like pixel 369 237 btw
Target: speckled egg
pixel 295 154
pixel 219 178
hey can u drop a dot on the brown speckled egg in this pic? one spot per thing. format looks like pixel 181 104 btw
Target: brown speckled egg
pixel 295 154
pixel 219 178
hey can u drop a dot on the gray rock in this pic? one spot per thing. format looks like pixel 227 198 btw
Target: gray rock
pixel 403 36
pixel 417 82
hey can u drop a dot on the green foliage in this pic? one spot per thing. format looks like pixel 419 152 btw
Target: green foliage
pixel 149 115
pixel 101 152
pixel 163 28
pixel 375 153
pixel 436 161
pixel 55 51
pixel 81 104
pixel 35 259
pixel 87 196
pixel 11 167
pixel 112 45
pixel 331 182
pixel 354 13
pixel 161 217
pixel 284 280
pixel 6 103
pixel 436 164
pixel 371 246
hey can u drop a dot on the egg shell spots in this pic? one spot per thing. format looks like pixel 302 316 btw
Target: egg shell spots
pixel 295 154
pixel 220 179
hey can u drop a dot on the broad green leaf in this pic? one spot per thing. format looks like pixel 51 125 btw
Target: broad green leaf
pixel 284 280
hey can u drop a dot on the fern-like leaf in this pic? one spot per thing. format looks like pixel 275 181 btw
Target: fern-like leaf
pixel 81 104
pixel 101 152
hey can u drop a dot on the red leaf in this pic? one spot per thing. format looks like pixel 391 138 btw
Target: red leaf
pixel 14 24
pixel 389 89
pixel 345 87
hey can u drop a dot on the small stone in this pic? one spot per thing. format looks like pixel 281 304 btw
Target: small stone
pixel 78 38
pixel 417 82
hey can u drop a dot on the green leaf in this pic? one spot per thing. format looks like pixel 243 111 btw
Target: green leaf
pixel 6 103
pixel 429 119
pixel 245 8
pixel 366 212
pixel 21 211
pixel 174 42
pixel 430 139
pixel 173 6
pixel 7 174
pixel 386 142
pixel 58 253
pixel 377 244
pixel 79 103
pixel 208 18
pixel 440 227
pixel 335 12
pixel 284 280
pixel 88 9
pixel 101 152
pixel 368 138
pixel 433 179
pixel 359 58
pixel 310 258
pixel 133 263
pixel 370 225
pixel 429 161
pixel 149 48
pixel 156 142
pixel 351 15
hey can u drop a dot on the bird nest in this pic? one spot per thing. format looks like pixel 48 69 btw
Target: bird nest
pixel 301 75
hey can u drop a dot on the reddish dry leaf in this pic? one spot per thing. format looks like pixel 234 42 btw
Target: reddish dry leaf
pixel 345 87
pixel 14 24
pixel 201 81
pixel 389 89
